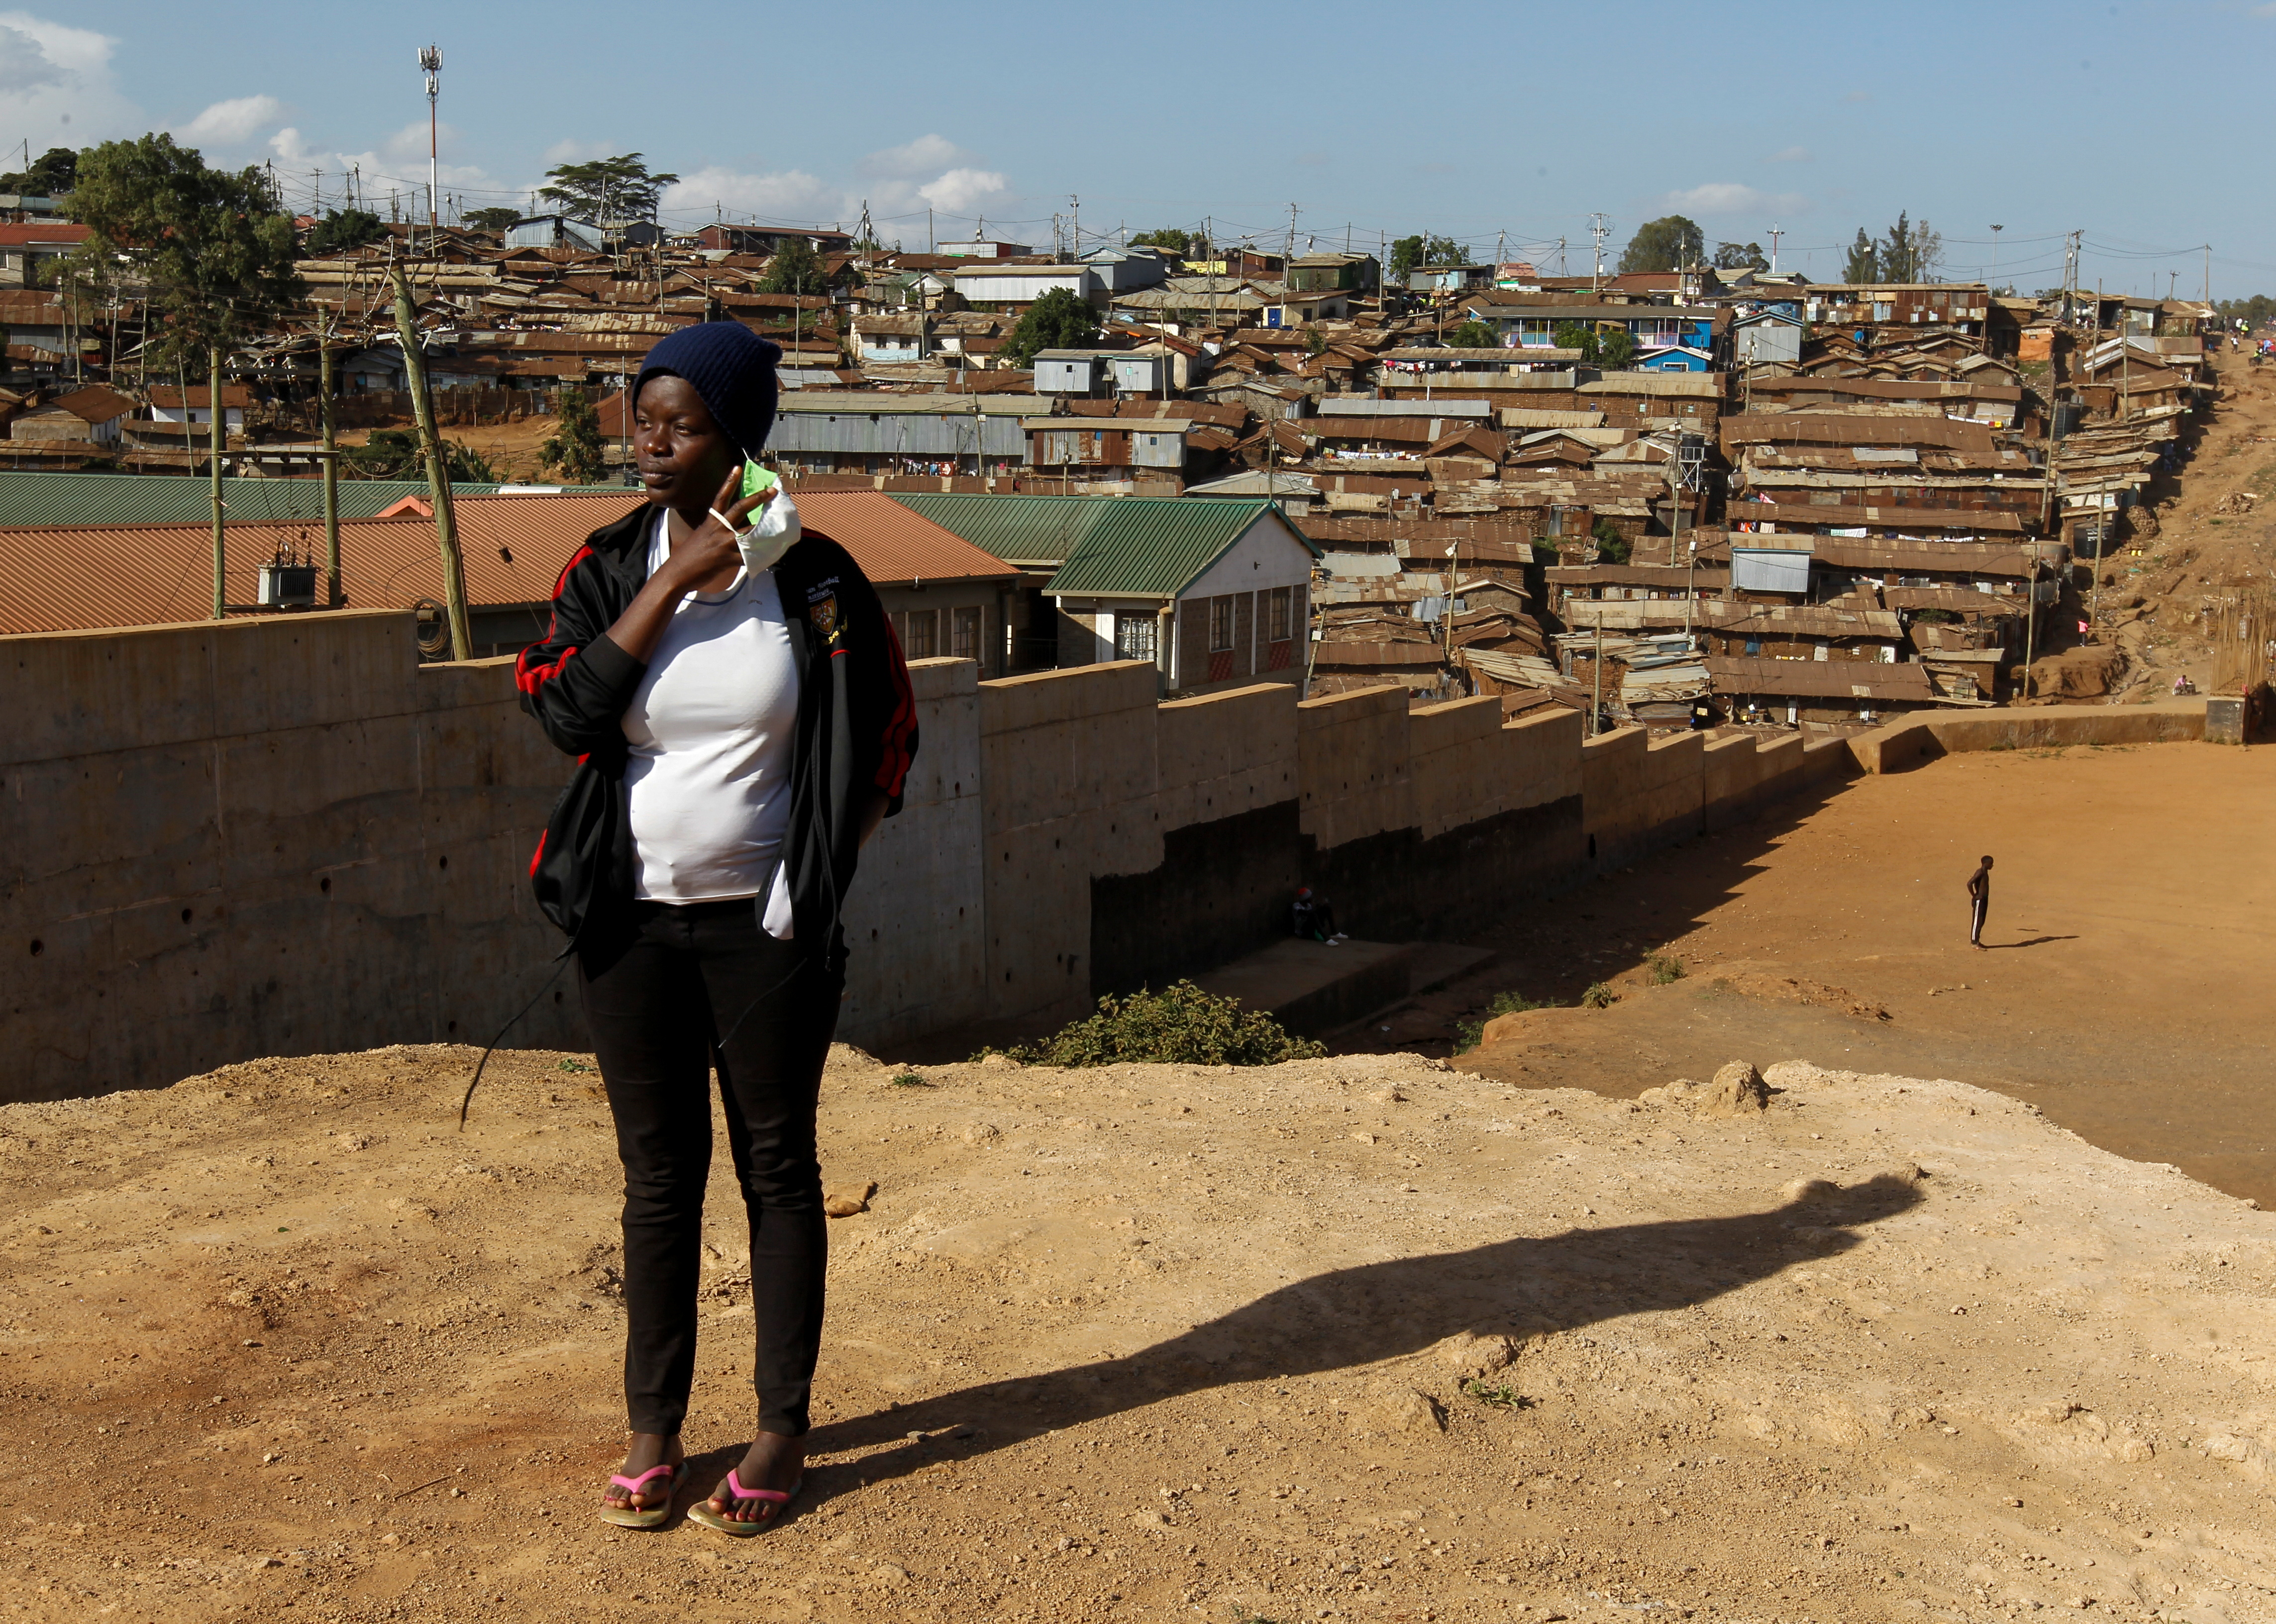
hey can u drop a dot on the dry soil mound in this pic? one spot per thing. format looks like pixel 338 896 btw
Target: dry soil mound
pixel 1355 1339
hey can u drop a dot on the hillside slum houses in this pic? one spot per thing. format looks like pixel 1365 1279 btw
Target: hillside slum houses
pixel 1670 498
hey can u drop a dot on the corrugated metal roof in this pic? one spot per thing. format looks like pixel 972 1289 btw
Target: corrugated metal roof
pixel 65 500
pixel 73 578
pixel 1123 543
pixel 1157 547
pixel 1023 529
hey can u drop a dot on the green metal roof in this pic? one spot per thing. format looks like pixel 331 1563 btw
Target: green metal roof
pixel 30 500
pixel 1142 546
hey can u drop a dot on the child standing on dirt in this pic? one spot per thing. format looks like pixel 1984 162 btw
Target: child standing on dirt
pixel 1979 903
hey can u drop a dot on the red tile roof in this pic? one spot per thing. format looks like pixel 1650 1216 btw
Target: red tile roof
pixel 41 236
pixel 513 548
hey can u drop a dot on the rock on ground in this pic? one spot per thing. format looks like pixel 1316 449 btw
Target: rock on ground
pixel 1353 1339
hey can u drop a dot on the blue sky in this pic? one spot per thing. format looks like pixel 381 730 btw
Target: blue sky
pixel 2133 122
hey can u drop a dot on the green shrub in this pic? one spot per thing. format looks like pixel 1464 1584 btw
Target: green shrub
pixel 1664 968
pixel 1179 1025
pixel 1472 1033
pixel 909 1080
pixel 1598 996
pixel 1496 1395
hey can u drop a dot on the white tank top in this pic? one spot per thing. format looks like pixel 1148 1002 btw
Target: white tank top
pixel 711 727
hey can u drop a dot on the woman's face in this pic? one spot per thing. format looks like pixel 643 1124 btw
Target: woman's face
pixel 682 455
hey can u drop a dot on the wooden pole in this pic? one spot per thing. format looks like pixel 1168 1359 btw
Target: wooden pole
pixel 438 474
pixel 213 400
pixel 333 599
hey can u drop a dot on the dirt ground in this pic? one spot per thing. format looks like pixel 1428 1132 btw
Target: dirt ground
pixel 2207 532
pixel 2131 906
pixel 1363 1337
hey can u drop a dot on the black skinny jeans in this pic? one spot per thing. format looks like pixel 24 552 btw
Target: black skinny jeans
pixel 692 975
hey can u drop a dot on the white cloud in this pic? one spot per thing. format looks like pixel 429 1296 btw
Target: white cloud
pixel 786 195
pixel 57 87
pixel 921 156
pixel 233 121
pixel 23 65
pixel 958 190
pixel 1728 197
pixel 1792 155
pixel 569 149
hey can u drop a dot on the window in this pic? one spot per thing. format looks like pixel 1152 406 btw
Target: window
pixel 966 643
pixel 924 634
pixel 1279 614
pixel 1133 636
pixel 1220 625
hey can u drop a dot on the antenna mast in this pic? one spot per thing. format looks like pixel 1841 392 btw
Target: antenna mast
pixel 430 63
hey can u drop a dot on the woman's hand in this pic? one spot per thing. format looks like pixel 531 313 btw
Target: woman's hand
pixel 704 559
pixel 706 556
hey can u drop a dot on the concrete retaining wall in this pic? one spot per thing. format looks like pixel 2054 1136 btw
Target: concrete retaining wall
pixel 283 836
pixel 1925 737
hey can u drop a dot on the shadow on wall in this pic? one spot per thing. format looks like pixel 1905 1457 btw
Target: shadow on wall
pixel 1384 1310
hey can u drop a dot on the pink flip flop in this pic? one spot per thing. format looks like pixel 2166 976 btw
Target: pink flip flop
pixel 651 1517
pixel 701 1511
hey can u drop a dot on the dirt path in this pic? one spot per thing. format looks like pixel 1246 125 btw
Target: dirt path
pixel 1356 1339
pixel 2132 907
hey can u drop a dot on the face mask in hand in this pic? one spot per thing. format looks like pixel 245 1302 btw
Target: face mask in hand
pixel 777 528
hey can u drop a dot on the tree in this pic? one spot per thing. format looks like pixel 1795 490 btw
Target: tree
pixel 341 230
pixel 1184 244
pixel 1669 243
pixel 1612 546
pixel 1058 321
pixel 396 453
pixel 1741 256
pixel 1409 252
pixel 1909 253
pixel 795 269
pixel 215 247
pixel 575 446
pixel 52 174
pixel 490 219
pixel 2255 311
pixel 1573 335
pixel 1474 335
pixel 609 191
pixel 1864 263
pixel 1615 349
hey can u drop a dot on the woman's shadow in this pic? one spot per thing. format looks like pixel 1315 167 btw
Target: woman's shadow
pixel 1377 1311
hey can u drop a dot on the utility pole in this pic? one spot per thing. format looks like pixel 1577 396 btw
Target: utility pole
pixel 1776 231
pixel 1996 230
pixel 1600 226
pixel 333 599
pixel 438 474
pixel 213 400
pixel 1597 705
pixel 430 63
pixel 1075 222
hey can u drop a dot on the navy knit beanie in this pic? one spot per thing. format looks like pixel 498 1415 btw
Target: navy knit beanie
pixel 732 368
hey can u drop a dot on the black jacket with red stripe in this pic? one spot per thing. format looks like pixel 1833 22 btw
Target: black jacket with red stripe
pixel 857 734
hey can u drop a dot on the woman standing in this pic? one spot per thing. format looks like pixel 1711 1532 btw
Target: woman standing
pixel 740 732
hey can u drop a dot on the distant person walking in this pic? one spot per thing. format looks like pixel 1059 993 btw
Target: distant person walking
pixel 1979 903
pixel 742 720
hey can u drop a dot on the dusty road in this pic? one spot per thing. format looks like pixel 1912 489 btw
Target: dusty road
pixel 1347 1340
pixel 2133 909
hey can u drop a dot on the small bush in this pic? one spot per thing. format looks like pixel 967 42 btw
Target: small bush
pixel 1496 1397
pixel 1472 1033
pixel 1598 996
pixel 578 1065
pixel 1664 968
pixel 909 1080
pixel 1179 1025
